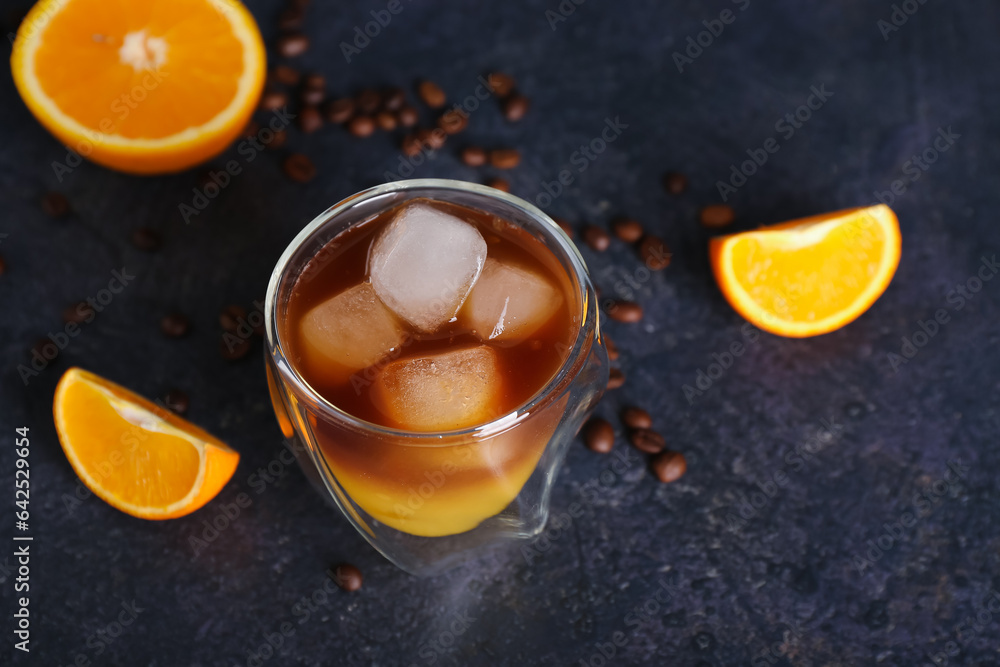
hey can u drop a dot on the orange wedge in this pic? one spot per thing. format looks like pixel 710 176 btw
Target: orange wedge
pixel 134 455
pixel 810 276
pixel 142 86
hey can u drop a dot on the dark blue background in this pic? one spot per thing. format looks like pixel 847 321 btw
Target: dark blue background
pixel 736 588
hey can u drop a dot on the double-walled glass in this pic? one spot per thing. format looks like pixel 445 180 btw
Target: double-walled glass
pixel 424 500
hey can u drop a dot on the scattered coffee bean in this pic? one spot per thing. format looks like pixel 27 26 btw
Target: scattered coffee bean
pixel 348 577
pixel 277 140
pixel 598 435
pixel 615 378
pixel 285 75
pixel 299 168
pixel 453 121
pixel 717 215
pixel 3 266
pixel 290 19
pixel 431 94
pixel 499 184
pixel 407 116
pixel 78 313
pixel 624 311
pixel 627 229
pixel 647 440
pixel 505 158
pixel 669 466
pixel 634 417
pixel 393 99
pixel 565 226
pixel 501 84
pixel 234 348
pixel 229 318
pixel 655 253
pixel 433 139
pixel 613 353
pixel 386 120
pixel 272 100
pixel 45 349
pixel 314 81
pixel 339 111
pixel 310 119
pixel 596 238
pixel 361 126
pixel 514 107
pixel 369 101
pixel 312 96
pixel 174 325
pixel 473 156
pixel 411 145
pixel 55 205
pixel 176 401
pixel 292 45
pixel 146 239
pixel 675 183
pixel 252 128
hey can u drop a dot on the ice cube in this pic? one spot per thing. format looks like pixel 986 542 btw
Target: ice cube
pixel 424 263
pixel 445 391
pixel 509 303
pixel 351 331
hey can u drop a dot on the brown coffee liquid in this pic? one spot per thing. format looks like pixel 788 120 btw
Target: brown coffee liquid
pixel 526 366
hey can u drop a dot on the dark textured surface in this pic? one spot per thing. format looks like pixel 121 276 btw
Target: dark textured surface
pixel 738 587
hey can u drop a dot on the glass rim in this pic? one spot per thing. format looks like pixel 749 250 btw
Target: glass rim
pixel 573 362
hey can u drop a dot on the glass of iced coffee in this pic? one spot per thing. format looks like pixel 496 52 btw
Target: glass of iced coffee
pixel 433 347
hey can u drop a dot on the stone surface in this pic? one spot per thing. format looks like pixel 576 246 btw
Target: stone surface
pixel 735 589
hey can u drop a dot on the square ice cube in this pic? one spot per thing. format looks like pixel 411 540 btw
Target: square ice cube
pixel 509 303
pixel 445 391
pixel 423 264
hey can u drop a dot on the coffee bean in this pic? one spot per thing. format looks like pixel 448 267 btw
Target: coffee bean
pixel 299 168
pixel 278 140
pixel 285 75
pixel 655 253
pixel 369 101
pixel 501 84
pixel 229 318
pixel 290 19
pixel 312 96
pixel 596 238
pixel 174 325
pixel 514 107
pixel 615 378
pixel 624 311
pixel 348 577
pixel 565 226
pixel 252 128
pixel 310 119
pixel 292 45
pixel 3 266
pixel 433 139
pixel 411 145
pixel 499 184
pixel 78 313
pixel 627 229
pixel 407 116
pixel 431 94
pixel 634 417
pixel 669 466
pixel 272 100
pixel 675 183
pixel 613 353
pixel 473 156
pixel 599 435
pixel 505 158
pixel 393 99
pixel 314 81
pixel 176 401
pixel 386 120
pixel 717 215
pixel 55 205
pixel 340 110
pixel 234 348
pixel 454 121
pixel 146 239
pixel 647 440
pixel 361 126
pixel 45 349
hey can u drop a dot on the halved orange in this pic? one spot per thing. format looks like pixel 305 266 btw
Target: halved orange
pixel 809 276
pixel 143 86
pixel 134 455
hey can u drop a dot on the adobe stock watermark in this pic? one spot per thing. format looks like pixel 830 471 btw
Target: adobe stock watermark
pixel 28 29
pixel 656 604
pixel 363 35
pixel 431 651
pixel 696 44
pixel 900 14
pixel 957 298
pixel 967 630
pixel 786 127
pixel 59 340
pixel 770 655
pixel 924 504
pixel 562 12
pixel 99 641
pixel 706 378
pixel 580 160
pixel 917 165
